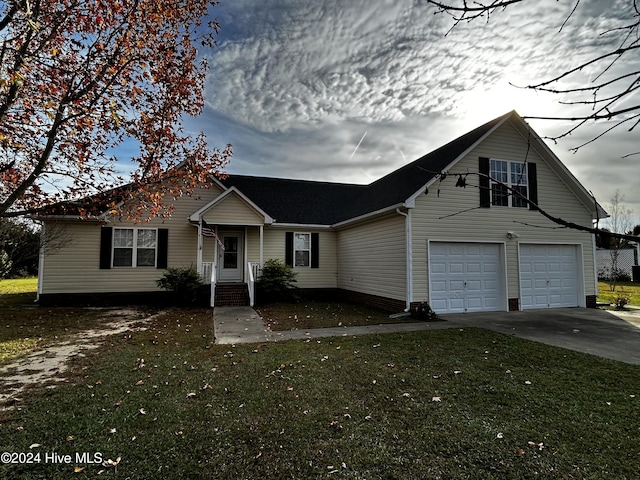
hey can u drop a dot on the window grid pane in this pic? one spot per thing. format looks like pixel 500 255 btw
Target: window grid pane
pixel 498 171
pixel 146 238
pixel 517 201
pixel 123 237
pixel 302 258
pixel 146 257
pixel 499 195
pixel 123 257
pixel 518 174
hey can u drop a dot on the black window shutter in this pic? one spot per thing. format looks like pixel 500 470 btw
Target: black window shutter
pixel 533 186
pixel 288 245
pixel 106 237
pixel 315 250
pixel 485 190
pixel 163 248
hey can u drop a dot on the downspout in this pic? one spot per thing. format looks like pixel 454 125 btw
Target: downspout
pixel 41 261
pixel 595 263
pixel 199 251
pixel 409 257
pixel 261 245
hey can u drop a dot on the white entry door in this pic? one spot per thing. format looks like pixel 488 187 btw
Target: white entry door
pixel 231 259
pixel 548 276
pixel 466 277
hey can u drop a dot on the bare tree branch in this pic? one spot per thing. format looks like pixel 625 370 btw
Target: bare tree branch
pixel 601 97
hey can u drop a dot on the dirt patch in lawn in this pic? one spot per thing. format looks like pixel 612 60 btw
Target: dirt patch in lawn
pixel 49 365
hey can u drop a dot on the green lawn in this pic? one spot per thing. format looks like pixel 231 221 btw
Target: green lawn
pixel 463 403
pixel 605 294
pixel 319 314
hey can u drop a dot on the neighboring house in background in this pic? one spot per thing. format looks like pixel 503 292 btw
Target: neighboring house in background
pixel 404 239
pixel 626 259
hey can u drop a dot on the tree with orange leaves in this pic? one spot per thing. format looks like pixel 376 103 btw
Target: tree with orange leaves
pixel 78 78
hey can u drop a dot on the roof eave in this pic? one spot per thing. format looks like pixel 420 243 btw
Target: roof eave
pixel 367 216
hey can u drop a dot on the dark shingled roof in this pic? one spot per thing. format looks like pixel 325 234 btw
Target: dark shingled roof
pixel 326 203
pixel 320 203
pixel 296 201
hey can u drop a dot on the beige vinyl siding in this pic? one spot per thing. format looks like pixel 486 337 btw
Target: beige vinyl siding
pixel 75 268
pixel 253 244
pixel 322 277
pixel 453 215
pixel 232 210
pixel 372 258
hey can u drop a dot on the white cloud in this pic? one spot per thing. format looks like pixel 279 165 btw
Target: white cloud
pixel 295 84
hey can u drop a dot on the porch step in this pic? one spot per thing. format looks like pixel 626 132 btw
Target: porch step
pixel 232 295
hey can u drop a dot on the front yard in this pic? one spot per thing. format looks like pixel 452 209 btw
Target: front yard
pixel 606 295
pixel 168 403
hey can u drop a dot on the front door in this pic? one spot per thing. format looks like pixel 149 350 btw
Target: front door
pixel 231 259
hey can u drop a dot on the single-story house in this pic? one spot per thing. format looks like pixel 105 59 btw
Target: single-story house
pixel 460 242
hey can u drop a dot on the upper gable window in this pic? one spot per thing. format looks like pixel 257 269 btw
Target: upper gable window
pixel 507 175
pixel 134 247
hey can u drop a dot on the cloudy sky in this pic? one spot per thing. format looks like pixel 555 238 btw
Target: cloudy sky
pixel 350 90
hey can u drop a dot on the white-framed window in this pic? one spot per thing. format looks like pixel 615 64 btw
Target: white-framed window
pixel 512 175
pixel 135 247
pixel 301 249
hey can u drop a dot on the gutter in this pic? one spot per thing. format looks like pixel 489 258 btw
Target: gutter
pixel 409 257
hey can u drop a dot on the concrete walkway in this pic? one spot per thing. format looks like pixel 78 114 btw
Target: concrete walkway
pixel 243 325
pixel 614 335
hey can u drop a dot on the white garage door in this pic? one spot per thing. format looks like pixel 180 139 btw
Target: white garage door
pixel 548 276
pixel 465 277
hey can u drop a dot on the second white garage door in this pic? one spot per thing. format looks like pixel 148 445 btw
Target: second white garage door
pixel 548 276
pixel 466 277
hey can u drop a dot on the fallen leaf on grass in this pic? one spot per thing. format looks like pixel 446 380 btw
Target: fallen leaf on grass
pixel 500 435
pixel 436 399
pixel 142 411
pixel 34 445
pixel 140 382
pixel 112 463
pixel 78 469
pixel 191 394
pixel 335 425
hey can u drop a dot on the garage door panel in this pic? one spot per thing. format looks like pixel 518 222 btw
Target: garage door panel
pixel 456 304
pixel 548 276
pixel 456 267
pixel 438 267
pixel 474 267
pixel 471 277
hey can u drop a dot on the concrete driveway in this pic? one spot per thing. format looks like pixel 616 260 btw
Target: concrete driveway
pixel 614 335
